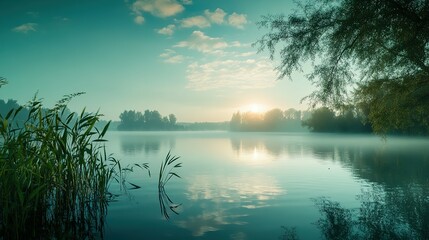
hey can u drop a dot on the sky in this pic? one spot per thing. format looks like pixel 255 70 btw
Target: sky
pixel 192 58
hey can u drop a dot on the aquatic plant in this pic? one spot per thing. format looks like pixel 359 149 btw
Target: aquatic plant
pixel 166 172
pixel 54 172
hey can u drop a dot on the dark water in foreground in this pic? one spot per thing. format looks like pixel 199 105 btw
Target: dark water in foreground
pixel 273 186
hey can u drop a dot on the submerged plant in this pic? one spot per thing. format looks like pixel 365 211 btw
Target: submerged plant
pixel 54 173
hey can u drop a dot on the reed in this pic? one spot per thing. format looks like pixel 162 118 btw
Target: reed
pixel 54 172
pixel 166 172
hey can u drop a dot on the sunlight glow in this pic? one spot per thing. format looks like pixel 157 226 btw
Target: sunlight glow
pixel 254 108
pixel 255 155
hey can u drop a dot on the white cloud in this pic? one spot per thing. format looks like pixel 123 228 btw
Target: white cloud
pixel 187 2
pixel 247 54
pixel 167 53
pixel 217 16
pixel 237 20
pixel 236 44
pixel 203 43
pixel 240 74
pixel 139 19
pixel 170 56
pixel 25 28
pixel 169 30
pixel 198 21
pixel 175 59
pixel 159 8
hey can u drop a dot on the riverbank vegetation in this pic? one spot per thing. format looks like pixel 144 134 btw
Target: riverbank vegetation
pixel 372 54
pixel 54 172
pixel 318 120
pixel 326 120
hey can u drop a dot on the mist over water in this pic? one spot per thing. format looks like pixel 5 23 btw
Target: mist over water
pixel 249 185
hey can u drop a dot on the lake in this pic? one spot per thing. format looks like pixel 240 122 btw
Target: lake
pixel 272 186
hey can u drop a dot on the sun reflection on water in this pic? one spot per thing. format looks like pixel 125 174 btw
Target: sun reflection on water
pixel 256 155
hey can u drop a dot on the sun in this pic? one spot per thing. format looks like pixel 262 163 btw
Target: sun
pixel 254 108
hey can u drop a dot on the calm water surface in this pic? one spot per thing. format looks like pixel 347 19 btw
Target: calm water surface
pixel 266 185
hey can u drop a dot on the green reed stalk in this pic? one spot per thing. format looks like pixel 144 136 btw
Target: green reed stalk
pixel 166 172
pixel 54 173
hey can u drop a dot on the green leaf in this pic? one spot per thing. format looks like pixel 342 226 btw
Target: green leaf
pixel 9 113
pixel 105 129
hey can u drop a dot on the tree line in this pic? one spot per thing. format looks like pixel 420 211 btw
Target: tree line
pixel 350 119
pixel 21 117
pixel 326 120
pixel 148 120
pixel 274 120
pixel 319 120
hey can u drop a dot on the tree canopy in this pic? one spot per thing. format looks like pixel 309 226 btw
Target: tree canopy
pixel 325 120
pixel 381 46
pixel 149 120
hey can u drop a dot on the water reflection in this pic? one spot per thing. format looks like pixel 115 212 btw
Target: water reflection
pixel 219 199
pixel 149 144
pixel 261 147
pixel 209 221
pixel 226 195
pixel 399 214
pixel 392 163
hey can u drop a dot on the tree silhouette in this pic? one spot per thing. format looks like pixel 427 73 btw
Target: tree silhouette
pixel 322 120
pixel 273 120
pixel 172 119
pixel 382 45
pixel 326 120
pixel 149 120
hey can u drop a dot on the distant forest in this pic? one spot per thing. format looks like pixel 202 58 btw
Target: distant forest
pixel 148 120
pixel 320 120
pixel 6 106
pixel 274 120
pixel 323 119
pixel 22 116
pixel 152 120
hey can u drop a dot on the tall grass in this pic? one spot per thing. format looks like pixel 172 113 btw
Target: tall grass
pixel 54 173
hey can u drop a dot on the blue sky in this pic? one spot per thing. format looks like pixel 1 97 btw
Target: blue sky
pixel 192 58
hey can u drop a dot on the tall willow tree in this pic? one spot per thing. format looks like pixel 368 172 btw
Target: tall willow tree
pixel 381 47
